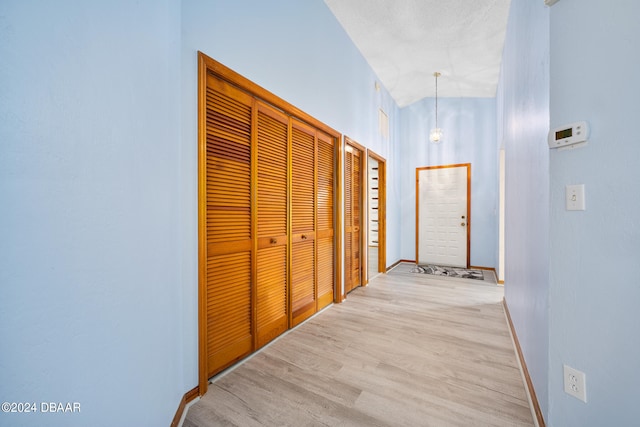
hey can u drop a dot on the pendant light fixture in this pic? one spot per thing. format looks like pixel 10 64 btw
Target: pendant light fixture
pixel 435 135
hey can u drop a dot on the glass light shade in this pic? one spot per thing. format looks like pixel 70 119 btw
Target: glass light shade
pixel 435 135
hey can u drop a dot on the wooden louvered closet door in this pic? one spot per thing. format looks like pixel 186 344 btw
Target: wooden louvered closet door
pixel 303 254
pixel 228 237
pixel 325 220
pixel 272 188
pixel 353 197
pixel 266 219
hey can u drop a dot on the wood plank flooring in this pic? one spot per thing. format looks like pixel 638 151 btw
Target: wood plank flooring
pixel 407 350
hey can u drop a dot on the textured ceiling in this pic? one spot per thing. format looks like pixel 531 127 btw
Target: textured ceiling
pixel 406 41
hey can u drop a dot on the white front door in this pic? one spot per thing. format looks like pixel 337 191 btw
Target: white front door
pixel 442 215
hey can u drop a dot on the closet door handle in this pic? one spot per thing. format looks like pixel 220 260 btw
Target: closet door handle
pixel 273 240
pixel 303 237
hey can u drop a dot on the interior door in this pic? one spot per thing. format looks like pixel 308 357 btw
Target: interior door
pixel 325 224
pixel 353 217
pixel 227 241
pixel 303 251
pixel 443 209
pixel 373 205
pixel 272 242
pixel 268 225
pixel 376 178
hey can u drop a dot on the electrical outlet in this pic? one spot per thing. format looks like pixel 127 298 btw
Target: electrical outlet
pixel 575 383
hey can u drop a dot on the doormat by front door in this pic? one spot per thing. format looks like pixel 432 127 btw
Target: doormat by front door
pixel 458 272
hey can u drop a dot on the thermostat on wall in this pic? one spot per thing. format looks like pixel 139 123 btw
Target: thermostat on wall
pixel 574 133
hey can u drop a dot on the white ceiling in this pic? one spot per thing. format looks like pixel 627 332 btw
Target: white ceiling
pixel 406 41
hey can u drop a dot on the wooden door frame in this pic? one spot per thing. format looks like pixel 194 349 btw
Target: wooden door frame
pixel 206 67
pixel 382 211
pixel 457 165
pixel 362 196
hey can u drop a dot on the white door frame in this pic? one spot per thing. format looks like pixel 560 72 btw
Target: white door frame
pixel 501 248
pixel 466 220
pixel 381 265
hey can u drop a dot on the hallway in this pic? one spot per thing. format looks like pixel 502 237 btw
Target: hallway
pixel 408 349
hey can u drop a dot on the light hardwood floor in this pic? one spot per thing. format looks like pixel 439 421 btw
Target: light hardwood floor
pixel 407 350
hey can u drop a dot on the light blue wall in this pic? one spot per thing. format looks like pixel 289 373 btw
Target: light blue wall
pixel 523 122
pixel 296 50
pixel 594 320
pixel 98 184
pixel 469 127
pixel 89 220
pixel 98 166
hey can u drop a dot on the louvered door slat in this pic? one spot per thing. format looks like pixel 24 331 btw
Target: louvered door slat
pixel 302 168
pixel 227 189
pixel 356 197
pixel 229 313
pixel 348 188
pixel 272 316
pixel 353 196
pixel 325 220
pixel 356 192
pixel 325 263
pixel 348 219
pixel 303 182
pixel 303 281
pixel 348 261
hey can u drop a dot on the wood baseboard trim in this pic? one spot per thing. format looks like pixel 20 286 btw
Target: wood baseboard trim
pixel 477 267
pixel 188 397
pixel 525 372
pixel 395 264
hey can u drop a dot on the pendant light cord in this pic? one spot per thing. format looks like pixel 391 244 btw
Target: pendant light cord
pixel 436 74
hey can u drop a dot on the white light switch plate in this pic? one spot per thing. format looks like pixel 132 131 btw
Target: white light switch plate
pixel 575 197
